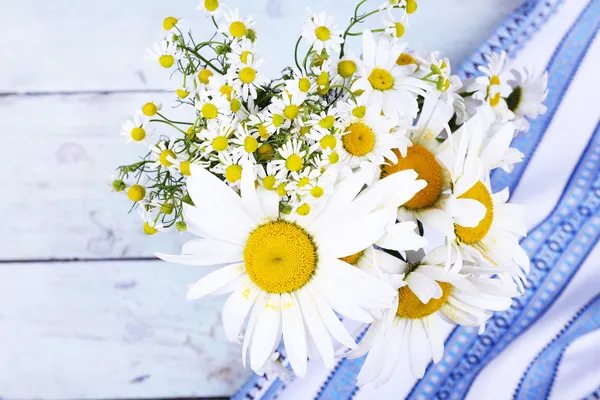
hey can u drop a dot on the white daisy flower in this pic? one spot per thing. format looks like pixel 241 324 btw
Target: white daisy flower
pixel 527 96
pixel 136 129
pixel 210 7
pixel 271 177
pixel 246 80
pixel 322 33
pixel 230 168
pixel 151 108
pixel 288 104
pixel 247 143
pixel 285 275
pixel 212 106
pixel 394 26
pixel 215 137
pixel 292 154
pixel 235 25
pixel 170 26
pixel 165 155
pixel 166 53
pixel 300 83
pixel 203 77
pixel 430 297
pixel 368 139
pixel 148 214
pixel 387 86
pixel 391 4
pixel 243 52
pixel 217 83
pixel 342 71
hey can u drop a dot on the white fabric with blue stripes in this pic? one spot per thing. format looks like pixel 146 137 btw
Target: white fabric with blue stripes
pixel 547 345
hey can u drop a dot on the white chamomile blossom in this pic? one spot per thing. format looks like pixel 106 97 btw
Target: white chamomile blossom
pixel 303 181
pixel 235 25
pixel 215 137
pixel 342 70
pixel 151 108
pixel 171 26
pixel 243 52
pixel 527 96
pixel 322 33
pixel 391 4
pixel 212 106
pixel 148 214
pixel 292 154
pixel 386 85
pixel 270 177
pixel 395 26
pixel 288 104
pixel 300 83
pixel 247 142
pixel 368 139
pixel 246 79
pixel 136 129
pixel 285 276
pixel 183 92
pixel 430 297
pixel 230 167
pixel 210 7
pixel 166 53
pixel 219 84
pixel 165 154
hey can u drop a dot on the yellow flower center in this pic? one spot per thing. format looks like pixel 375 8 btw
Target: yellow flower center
pixel 291 111
pixel 209 111
pixel 247 74
pixel 495 99
pixel 494 80
pixel 149 230
pixel 263 132
pixel 304 209
pixel 237 29
pixel 399 29
pixel 473 235
pixel 303 182
pixel 138 134
pixel 169 23
pixel 164 158
pixel 136 193
pixel 244 56
pixel 280 257
pixel 226 91
pixel 327 122
pixel 278 120
pixel 250 144
pixel 184 167
pixel 381 79
pixel 211 5
pixel 304 130
pixel 426 166
pixel 409 305
pixel 359 112
pixel 346 68
pixel 323 79
pixel 182 94
pixel 411 6
pixel 323 33
pixel 294 163
pixel 166 61
pixel 149 109
pixel 317 192
pixel 281 191
pixel 359 139
pixel 233 173
pixel 334 157
pixel 269 182
pixel 405 59
pixel 235 105
pixel 328 141
pixel 265 151
pixel 220 143
pixel 304 85
pixel 204 76
pixel 353 258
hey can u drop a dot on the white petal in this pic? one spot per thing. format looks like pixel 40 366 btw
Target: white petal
pixel 236 310
pixel 206 252
pixel 265 336
pixel 394 342
pixel 217 225
pixel 333 324
pixel 418 348
pixel 316 327
pixel 466 212
pixel 250 199
pixel 259 305
pixel 433 329
pixel 215 280
pixel 423 287
pixel 402 237
pixel 294 333
pixel 269 200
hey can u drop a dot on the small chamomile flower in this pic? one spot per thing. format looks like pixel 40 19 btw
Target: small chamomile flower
pixel 526 99
pixel 215 138
pixel 234 25
pixel 171 26
pixel 166 53
pixel 288 105
pixel 210 7
pixel 301 182
pixel 219 84
pixel 246 143
pixel 151 108
pixel 230 168
pixel 136 129
pixel 138 192
pixel 243 52
pixel 184 91
pixel 492 87
pixel 300 83
pixel 245 80
pixel 212 105
pixel 292 154
pixel 342 70
pixel 321 33
pixel 203 77
pixel 165 154
pixel 270 177
pixel 149 214
pixel 395 26
pixel 391 4
pixel 325 121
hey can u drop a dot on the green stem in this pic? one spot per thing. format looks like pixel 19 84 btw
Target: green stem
pixel 296 53
pixel 194 52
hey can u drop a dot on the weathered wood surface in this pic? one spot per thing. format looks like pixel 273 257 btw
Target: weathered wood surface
pixel 70 74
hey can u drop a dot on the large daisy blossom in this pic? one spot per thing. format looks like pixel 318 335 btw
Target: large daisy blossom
pixel 385 85
pixel 428 297
pixel 284 273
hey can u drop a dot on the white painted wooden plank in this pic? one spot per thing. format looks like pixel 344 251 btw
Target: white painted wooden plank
pixel 111 330
pixel 56 196
pixel 100 45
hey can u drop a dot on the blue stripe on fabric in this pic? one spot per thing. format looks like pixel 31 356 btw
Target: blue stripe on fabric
pixel 561 69
pixel 539 377
pixel 595 395
pixel 557 248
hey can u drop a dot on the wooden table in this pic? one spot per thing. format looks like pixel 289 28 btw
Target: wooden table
pixel 85 309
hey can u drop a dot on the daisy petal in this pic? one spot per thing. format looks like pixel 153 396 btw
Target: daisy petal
pixel 316 327
pixel 266 333
pixel 214 281
pixel 294 333
pixel 206 252
pixel 236 310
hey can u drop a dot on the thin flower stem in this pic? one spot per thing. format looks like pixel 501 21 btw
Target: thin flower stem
pixel 296 53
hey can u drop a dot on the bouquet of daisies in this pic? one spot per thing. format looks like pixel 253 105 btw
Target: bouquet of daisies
pixel 314 190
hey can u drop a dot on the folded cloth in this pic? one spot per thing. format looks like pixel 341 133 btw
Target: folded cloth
pixel 547 344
